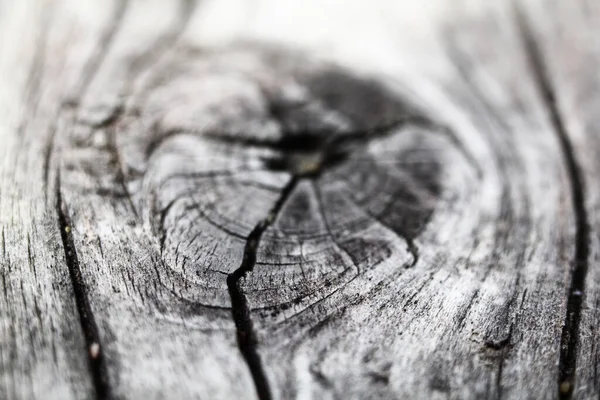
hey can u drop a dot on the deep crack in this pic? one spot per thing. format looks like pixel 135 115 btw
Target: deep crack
pixel 569 341
pixel 246 336
pixel 86 316
pixel 304 156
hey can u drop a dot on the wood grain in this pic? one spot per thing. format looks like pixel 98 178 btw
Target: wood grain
pixel 566 71
pixel 276 200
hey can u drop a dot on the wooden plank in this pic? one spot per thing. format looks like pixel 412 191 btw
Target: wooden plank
pixel 565 44
pixel 181 347
pixel 480 313
pixel 235 205
pixel 42 349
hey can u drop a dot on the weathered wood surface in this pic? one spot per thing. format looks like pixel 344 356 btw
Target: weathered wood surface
pixel 270 199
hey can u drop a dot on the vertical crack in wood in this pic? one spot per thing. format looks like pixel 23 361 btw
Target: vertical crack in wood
pixel 569 342
pixel 502 346
pixel 88 324
pixel 86 317
pixel 246 336
pixel 3 244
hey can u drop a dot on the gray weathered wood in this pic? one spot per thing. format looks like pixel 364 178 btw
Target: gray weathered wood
pixel 364 199
pixel 568 58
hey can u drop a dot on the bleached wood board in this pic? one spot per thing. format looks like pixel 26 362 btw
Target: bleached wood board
pixel 275 199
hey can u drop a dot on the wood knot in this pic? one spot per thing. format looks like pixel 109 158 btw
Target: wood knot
pixel 266 161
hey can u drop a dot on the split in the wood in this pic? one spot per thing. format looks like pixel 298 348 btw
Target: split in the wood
pixel 3 244
pixel 569 343
pixel 246 335
pixel 304 157
pixel 86 316
pixel 309 158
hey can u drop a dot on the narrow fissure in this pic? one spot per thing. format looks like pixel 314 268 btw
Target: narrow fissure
pixel 569 342
pixel 305 156
pixel 246 336
pixel 91 335
pixel 86 317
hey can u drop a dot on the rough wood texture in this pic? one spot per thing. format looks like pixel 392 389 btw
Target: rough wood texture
pixel 270 199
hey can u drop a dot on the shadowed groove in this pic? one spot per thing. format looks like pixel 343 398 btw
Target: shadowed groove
pixel 89 327
pixel 569 341
pixel 247 341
